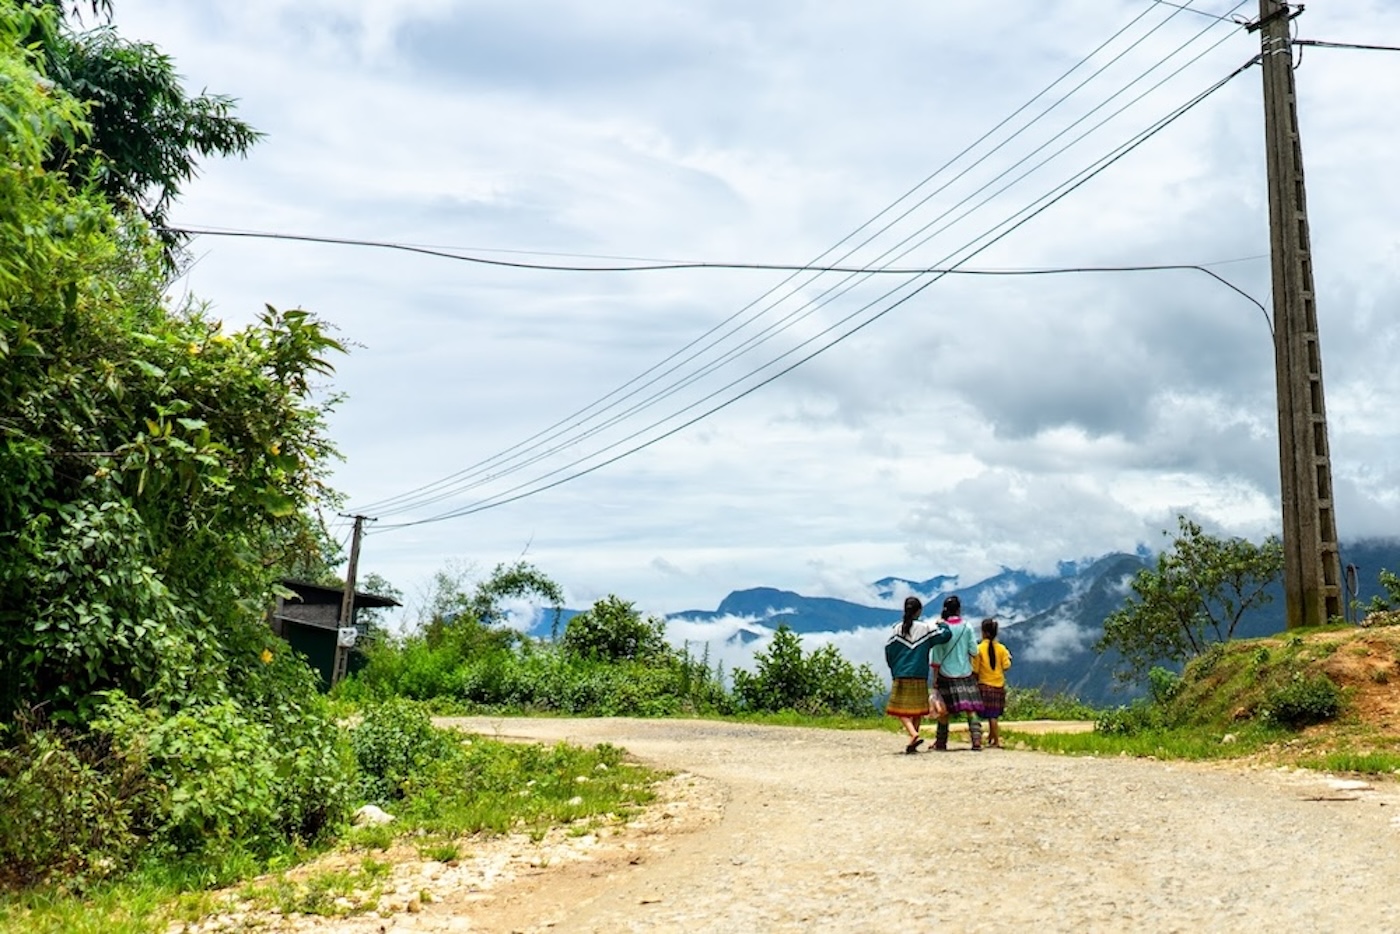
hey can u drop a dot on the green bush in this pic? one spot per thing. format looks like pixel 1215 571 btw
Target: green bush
pixel 395 745
pixel 67 810
pixel 535 676
pixel 821 683
pixel 1163 686
pixel 310 751
pixel 1141 716
pixel 215 772
pixel 613 629
pixel 1301 701
pixel 1036 704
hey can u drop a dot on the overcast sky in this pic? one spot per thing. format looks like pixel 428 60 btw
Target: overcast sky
pixel 971 422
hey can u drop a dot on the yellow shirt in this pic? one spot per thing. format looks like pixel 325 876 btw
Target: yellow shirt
pixel 982 665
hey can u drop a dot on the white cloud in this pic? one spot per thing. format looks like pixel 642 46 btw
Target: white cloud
pixel 982 423
pixel 1056 641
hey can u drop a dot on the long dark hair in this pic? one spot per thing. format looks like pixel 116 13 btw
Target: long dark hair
pixel 989 632
pixel 952 606
pixel 913 606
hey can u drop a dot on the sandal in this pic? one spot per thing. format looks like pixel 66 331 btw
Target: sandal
pixel 913 746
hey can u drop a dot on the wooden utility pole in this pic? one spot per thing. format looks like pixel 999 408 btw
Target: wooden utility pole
pixel 1311 567
pixel 347 602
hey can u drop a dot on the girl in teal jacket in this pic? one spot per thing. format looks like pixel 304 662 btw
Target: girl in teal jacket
pixel 907 654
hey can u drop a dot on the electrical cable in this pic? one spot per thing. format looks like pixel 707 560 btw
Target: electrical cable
pixel 453 486
pixel 456 488
pixel 521 491
pixel 545 433
pixel 643 265
pixel 1188 9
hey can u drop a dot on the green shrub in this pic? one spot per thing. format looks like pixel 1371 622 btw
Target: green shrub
pixel 214 768
pixel 1141 716
pixel 67 811
pixel 1163 686
pixel 1301 701
pixel 394 746
pixel 1036 704
pixel 310 751
pixel 613 629
pixel 821 683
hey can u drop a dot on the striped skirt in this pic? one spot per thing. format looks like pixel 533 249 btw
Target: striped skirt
pixel 909 698
pixel 960 694
pixel 993 701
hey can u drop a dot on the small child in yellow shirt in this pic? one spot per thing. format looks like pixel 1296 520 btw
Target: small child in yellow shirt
pixel 990 666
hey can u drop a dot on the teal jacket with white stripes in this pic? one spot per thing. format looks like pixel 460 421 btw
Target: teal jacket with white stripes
pixel 907 655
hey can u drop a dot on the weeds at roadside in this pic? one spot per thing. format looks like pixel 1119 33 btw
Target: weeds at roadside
pixel 1361 763
pixel 442 786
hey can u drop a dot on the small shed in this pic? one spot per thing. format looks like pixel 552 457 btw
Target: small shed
pixel 310 622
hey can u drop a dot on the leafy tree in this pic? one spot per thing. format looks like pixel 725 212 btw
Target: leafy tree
pixel 157 474
pixel 146 135
pixel 1195 597
pixel 155 469
pixel 472 612
pixel 1390 583
pixel 613 630
pixel 372 618
pixel 822 683
pixel 519 581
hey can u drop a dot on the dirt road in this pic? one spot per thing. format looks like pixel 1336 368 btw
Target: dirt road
pixel 781 829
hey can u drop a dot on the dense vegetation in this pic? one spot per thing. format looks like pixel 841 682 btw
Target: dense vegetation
pixel 609 661
pixel 156 472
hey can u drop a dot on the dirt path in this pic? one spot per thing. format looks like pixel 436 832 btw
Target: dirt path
pixel 782 829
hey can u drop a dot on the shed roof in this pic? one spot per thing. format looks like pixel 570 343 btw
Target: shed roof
pixel 305 589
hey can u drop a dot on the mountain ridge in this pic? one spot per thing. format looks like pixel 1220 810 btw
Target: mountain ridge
pixel 1050 622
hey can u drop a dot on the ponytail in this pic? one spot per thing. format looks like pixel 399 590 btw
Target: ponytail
pixel 989 632
pixel 913 606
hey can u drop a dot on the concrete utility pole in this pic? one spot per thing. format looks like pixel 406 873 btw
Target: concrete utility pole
pixel 1311 567
pixel 347 602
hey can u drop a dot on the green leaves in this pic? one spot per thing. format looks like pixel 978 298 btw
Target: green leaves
pixel 157 472
pixel 155 469
pixel 612 630
pixel 1195 597
pixel 824 682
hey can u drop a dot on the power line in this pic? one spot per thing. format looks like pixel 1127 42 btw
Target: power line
pixel 460 482
pixel 521 491
pixel 675 265
pixel 463 487
pixel 621 393
pixel 1216 16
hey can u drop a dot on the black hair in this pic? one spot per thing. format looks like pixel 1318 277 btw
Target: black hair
pixel 913 606
pixel 952 606
pixel 989 632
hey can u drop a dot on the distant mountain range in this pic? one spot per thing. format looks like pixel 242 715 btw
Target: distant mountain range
pixel 1049 622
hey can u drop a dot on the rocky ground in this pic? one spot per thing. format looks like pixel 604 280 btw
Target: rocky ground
pixel 778 829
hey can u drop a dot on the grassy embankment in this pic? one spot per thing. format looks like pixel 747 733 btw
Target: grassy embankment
pixel 1326 698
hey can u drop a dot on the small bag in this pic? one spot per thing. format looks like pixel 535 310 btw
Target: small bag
pixel 936 706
